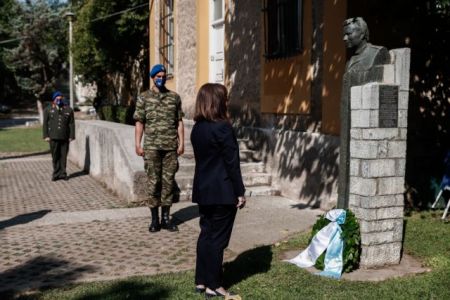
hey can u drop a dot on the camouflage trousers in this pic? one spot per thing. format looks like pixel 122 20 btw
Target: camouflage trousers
pixel 160 166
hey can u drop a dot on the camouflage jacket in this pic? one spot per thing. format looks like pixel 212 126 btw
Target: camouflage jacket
pixel 160 112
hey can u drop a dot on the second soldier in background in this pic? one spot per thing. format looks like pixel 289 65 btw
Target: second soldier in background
pixel 158 117
pixel 59 130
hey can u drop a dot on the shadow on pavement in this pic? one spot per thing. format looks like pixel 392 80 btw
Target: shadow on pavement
pixel 128 290
pixel 316 204
pixel 25 155
pixel 24 218
pixel 119 290
pixel 185 214
pixel 39 273
pixel 78 174
pixel 247 264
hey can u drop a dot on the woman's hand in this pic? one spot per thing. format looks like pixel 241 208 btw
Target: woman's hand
pixel 139 151
pixel 180 149
pixel 241 202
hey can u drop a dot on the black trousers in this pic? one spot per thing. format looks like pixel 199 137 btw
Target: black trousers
pixel 216 224
pixel 59 150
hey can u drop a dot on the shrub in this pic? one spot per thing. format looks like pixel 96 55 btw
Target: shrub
pixel 117 113
pixel 108 113
pixel 352 241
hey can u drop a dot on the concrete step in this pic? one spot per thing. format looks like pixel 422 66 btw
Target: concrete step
pixel 186 195
pixel 250 180
pixel 188 167
pixel 249 155
pixel 263 190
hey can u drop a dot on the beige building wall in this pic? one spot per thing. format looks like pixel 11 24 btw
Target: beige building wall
pixel 270 100
pixel 185 75
pixel 335 12
pixel 152 34
pixel 154 30
pixel 202 17
pixel 243 60
pixel 286 83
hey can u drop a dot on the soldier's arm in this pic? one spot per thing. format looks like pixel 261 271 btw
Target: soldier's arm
pixel 138 132
pixel 180 130
pixel 139 117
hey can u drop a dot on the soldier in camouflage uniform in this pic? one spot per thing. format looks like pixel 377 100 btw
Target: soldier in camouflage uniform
pixel 59 130
pixel 159 116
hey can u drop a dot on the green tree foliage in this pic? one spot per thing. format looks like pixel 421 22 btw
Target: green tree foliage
pixel 39 59
pixel 9 10
pixel 106 46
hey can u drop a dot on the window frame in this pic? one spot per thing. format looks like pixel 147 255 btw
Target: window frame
pixel 279 30
pixel 166 35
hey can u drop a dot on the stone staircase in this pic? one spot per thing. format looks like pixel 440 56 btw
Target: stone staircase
pixel 257 182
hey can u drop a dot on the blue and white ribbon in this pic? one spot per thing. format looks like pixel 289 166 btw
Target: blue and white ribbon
pixel 328 238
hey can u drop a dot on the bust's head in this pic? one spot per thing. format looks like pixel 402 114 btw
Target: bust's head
pixel 356 32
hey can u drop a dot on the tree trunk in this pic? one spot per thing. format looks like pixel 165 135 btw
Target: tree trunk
pixel 40 111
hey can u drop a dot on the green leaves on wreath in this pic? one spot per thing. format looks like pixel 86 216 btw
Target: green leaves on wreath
pixel 352 241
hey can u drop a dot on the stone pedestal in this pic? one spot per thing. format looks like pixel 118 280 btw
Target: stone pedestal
pixel 377 160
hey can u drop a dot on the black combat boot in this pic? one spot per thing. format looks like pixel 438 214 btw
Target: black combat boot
pixel 154 225
pixel 166 223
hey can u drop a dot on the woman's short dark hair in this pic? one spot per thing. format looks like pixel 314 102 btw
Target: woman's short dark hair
pixel 211 103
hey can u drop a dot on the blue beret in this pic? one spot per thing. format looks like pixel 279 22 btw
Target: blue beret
pixel 156 69
pixel 56 94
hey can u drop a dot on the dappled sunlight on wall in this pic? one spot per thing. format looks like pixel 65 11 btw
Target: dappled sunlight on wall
pixel 304 164
pixel 243 60
pixel 335 13
pixel 287 85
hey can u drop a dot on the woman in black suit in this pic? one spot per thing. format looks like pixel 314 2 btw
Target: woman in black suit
pixel 218 188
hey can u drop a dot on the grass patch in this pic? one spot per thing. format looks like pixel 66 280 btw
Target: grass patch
pixel 23 140
pixel 260 274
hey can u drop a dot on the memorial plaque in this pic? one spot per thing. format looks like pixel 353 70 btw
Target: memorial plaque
pixel 388 109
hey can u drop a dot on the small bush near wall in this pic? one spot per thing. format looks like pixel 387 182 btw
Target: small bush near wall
pixel 107 113
pixel 118 114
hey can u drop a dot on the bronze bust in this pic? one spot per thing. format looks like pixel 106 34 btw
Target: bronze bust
pixel 364 55
pixel 358 71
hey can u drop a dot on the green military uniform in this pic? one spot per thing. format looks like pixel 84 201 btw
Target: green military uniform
pixel 161 113
pixel 59 126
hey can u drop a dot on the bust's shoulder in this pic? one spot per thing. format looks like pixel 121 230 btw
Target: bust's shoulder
pixel 380 54
pixel 376 49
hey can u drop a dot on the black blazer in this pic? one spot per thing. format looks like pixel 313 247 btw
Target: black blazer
pixel 217 178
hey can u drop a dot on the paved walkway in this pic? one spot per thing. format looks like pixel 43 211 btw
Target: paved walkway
pixel 54 233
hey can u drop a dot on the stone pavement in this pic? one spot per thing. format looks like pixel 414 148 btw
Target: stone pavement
pixel 55 233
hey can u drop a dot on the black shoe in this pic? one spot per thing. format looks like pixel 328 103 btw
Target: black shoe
pixel 54 178
pixel 166 223
pixel 66 178
pixel 216 293
pixel 154 225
